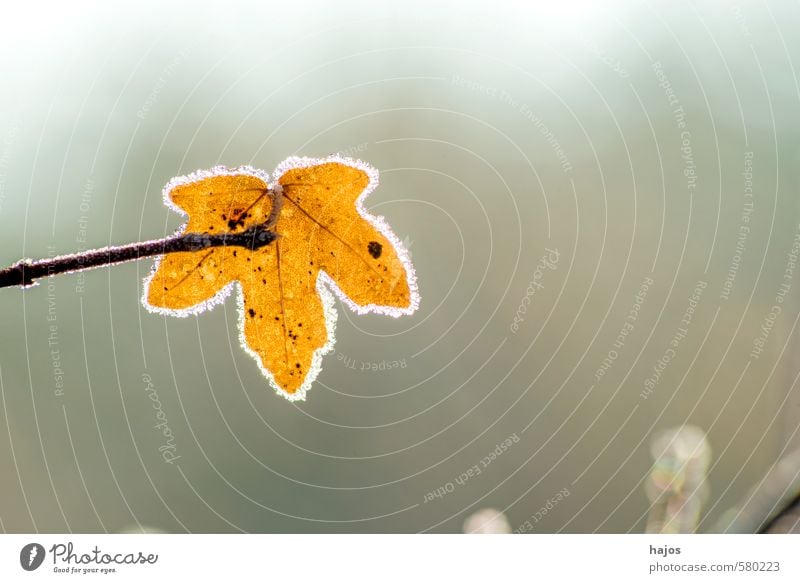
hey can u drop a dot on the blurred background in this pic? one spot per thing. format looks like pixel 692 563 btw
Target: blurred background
pixel 601 205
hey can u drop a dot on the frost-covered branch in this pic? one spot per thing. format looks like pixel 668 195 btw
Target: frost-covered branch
pixel 25 272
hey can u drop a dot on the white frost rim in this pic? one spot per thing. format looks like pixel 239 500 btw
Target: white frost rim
pixel 324 285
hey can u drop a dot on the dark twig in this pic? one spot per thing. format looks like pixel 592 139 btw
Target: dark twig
pixel 785 521
pixel 25 272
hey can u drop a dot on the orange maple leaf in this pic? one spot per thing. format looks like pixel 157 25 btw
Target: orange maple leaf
pixel 327 242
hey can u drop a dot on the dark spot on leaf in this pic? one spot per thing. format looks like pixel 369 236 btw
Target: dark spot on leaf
pixel 375 249
pixel 252 312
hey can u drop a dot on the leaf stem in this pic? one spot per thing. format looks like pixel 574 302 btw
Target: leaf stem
pixel 25 272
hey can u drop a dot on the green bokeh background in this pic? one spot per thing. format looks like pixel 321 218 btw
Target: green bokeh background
pixel 500 130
